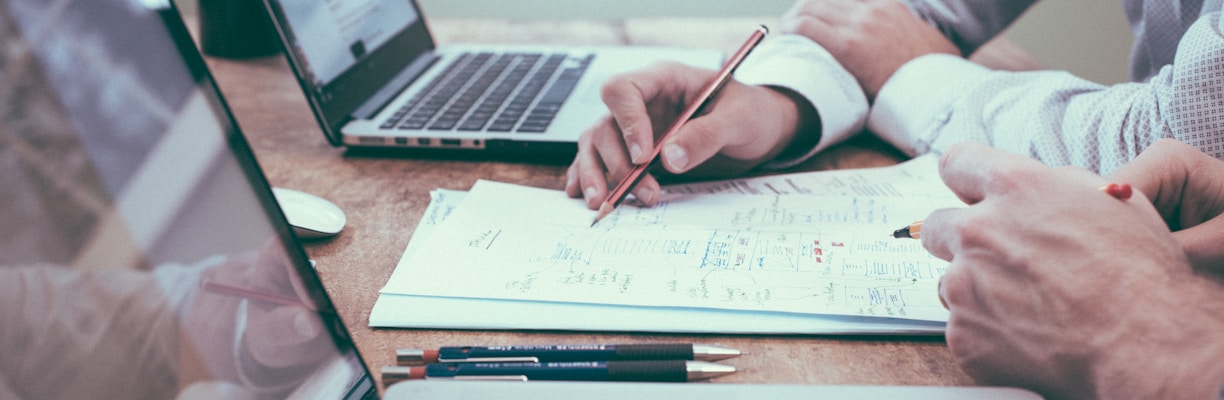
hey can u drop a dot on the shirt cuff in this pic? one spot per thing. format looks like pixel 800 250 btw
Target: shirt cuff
pixel 917 100
pixel 796 63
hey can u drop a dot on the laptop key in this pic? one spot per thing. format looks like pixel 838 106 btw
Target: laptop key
pixel 473 124
pixel 501 126
pixel 443 125
pixel 528 127
pixel 414 123
pixel 494 93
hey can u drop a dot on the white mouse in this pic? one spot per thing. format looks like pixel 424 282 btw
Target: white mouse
pixel 312 217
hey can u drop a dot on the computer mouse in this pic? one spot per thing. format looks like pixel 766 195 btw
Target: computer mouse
pixel 312 217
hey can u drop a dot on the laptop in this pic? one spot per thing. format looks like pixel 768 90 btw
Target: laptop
pixel 375 79
pixel 143 253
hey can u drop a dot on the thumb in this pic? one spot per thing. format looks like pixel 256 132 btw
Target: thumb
pixel 695 143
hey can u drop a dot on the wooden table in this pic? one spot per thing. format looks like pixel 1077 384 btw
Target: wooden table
pixel 385 198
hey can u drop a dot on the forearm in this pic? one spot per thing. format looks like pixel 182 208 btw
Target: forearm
pixel 935 102
pixel 969 23
pixel 63 325
pixel 1172 351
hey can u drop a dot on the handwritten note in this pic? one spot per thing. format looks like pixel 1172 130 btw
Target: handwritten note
pixel 911 179
pixel 813 253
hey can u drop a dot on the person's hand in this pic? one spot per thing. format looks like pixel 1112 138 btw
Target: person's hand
pixel 1058 287
pixel 262 344
pixel 1187 187
pixel 870 38
pixel 743 127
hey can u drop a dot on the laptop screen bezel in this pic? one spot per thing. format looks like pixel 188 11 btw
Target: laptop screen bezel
pixel 334 103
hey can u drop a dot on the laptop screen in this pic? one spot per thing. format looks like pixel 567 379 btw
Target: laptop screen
pixel 333 35
pixel 142 253
pixel 346 51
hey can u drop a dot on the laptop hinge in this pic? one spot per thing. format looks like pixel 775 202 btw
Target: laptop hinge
pixel 379 99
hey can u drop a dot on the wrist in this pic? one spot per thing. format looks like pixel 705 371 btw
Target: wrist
pixel 803 128
pixel 1182 358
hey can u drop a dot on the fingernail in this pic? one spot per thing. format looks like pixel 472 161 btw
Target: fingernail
pixel 589 193
pixel 677 158
pixel 635 152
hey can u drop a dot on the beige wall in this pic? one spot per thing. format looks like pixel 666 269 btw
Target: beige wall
pixel 1087 37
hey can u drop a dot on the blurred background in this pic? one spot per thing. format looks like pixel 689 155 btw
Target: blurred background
pixel 1090 38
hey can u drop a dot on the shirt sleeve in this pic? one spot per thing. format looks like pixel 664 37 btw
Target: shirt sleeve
pixel 797 63
pixel 936 101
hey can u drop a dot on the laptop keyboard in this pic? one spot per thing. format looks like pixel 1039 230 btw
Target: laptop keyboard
pixel 509 92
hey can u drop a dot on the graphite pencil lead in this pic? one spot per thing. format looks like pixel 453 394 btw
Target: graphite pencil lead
pixel 604 210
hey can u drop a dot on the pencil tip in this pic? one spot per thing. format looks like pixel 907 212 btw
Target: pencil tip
pixel 604 210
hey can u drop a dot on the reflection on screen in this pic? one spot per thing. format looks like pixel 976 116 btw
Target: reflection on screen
pixel 137 260
pixel 335 34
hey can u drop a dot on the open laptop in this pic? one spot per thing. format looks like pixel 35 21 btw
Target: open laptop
pixel 143 254
pixel 375 78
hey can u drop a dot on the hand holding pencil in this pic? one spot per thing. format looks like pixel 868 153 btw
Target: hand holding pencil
pixel 743 127
pixel 706 96
pixel 1046 263
pixel 249 312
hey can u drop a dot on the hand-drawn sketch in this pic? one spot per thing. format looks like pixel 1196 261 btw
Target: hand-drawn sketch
pixel 816 254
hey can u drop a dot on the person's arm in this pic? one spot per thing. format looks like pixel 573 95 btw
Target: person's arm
pixel 1057 287
pixel 111 333
pixel 969 24
pixel 796 65
pixel 936 101
pixel 86 334
pixel 871 39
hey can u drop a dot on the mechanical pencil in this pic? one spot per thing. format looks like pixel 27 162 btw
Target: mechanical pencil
pixel 640 371
pixel 557 353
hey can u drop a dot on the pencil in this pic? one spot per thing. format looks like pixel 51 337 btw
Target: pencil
pixel 1120 191
pixel 711 90
pixel 913 231
pixel 266 297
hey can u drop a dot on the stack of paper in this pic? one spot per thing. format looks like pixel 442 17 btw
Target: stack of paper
pixel 796 253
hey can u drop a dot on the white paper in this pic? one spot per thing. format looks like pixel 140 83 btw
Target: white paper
pixel 810 236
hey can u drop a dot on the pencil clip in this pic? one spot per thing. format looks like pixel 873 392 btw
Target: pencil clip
pixel 490 360
pixel 499 378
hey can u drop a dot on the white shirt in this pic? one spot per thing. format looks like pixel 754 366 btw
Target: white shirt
pixel 935 101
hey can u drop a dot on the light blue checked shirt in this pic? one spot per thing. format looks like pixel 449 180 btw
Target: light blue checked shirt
pixel 1177 68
